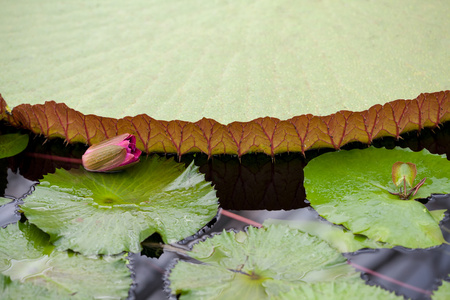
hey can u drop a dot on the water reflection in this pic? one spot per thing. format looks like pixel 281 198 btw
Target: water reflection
pixel 16 187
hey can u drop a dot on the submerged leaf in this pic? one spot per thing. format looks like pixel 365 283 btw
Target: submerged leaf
pixel 12 144
pixel 94 213
pixel 27 257
pixel 352 188
pixel 257 264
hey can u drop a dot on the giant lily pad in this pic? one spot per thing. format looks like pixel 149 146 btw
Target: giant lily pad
pixel 109 213
pixel 267 135
pixel 257 264
pixel 352 188
pixel 228 60
pixel 29 265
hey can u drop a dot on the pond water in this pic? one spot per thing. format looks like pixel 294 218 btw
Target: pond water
pixel 257 188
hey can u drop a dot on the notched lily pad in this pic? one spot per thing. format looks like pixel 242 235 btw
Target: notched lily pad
pixel 29 265
pixel 13 289
pixel 257 264
pixel 95 213
pixel 341 289
pixel 352 188
pixel 443 292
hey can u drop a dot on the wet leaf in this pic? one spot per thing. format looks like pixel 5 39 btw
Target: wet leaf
pixel 266 135
pixel 13 289
pixel 4 201
pixel 341 289
pixel 338 237
pixel 30 265
pixel 352 188
pixel 443 292
pixel 257 264
pixel 95 213
pixel 12 144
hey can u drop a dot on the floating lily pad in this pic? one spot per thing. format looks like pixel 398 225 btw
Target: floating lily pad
pixel 256 264
pixel 443 292
pixel 4 201
pixel 30 265
pixel 227 60
pixel 352 188
pixel 13 289
pixel 341 289
pixel 95 213
pixel 339 238
pixel 12 144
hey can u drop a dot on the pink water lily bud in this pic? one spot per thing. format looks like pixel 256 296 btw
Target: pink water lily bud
pixel 112 154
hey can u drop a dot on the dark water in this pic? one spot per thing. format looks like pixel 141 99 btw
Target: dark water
pixel 258 188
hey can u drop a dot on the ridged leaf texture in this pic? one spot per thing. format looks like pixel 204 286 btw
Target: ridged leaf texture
pixel 267 135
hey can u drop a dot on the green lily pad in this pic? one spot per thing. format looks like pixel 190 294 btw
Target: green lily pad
pixel 341 289
pixel 4 201
pixel 339 238
pixel 352 188
pixel 256 264
pixel 94 213
pixel 443 292
pixel 29 264
pixel 12 144
pixel 13 289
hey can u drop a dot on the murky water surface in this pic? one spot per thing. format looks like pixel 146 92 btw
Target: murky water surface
pixel 257 188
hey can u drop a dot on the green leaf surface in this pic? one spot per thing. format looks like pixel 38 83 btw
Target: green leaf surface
pixel 352 188
pixel 16 290
pixel 256 264
pixel 4 201
pixel 12 144
pixel 339 238
pixel 30 265
pixel 443 292
pixel 95 213
pixel 230 61
pixel 341 289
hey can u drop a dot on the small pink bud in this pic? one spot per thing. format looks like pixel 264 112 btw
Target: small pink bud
pixel 112 154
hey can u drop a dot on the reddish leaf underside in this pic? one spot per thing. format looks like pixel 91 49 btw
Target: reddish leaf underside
pixel 267 135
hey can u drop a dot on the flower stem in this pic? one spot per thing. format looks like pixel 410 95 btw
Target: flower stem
pixel 55 157
pixel 239 218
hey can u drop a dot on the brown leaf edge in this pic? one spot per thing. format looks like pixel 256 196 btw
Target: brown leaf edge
pixel 267 135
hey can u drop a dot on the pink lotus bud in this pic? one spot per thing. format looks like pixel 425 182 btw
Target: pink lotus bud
pixel 112 154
